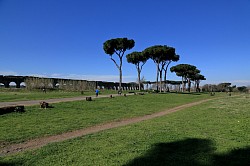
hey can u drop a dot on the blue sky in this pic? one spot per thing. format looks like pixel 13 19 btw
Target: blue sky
pixel 64 38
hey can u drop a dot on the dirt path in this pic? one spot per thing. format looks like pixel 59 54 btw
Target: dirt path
pixel 39 142
pixel 36 102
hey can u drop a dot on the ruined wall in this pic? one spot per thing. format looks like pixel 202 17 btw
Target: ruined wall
pixel 64 84
pixel 39 83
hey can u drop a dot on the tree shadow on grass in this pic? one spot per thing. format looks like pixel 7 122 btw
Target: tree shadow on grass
pixel 235 157
pixel 190 152
pixel 10 164
pixel 184 153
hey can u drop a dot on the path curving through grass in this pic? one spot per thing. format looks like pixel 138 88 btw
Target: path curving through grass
pixel 40 142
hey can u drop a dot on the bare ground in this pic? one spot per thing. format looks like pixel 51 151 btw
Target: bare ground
pixel 40 142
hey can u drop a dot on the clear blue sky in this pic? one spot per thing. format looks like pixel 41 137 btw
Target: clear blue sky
pixel 64 38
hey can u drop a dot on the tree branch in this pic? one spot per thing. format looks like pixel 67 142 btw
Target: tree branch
pixel 122 53
pixel 115 63
pixel 167 65
pixel 118 53
pixel 142 65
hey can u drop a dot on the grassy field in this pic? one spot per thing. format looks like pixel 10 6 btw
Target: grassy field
pixel 22 94
pixel 214 133
pixel 67 116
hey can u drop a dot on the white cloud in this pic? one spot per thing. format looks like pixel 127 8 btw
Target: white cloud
pixel 233 82
pixel 8 73
pixel 37 75
pixel 241 82
pixel 55 75
pixel 108 78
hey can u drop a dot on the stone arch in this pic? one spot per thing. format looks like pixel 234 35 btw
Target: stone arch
pixel 57 85
pixel 13 84
pixel 22 85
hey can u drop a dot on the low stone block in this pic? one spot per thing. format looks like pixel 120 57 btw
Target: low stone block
pixel 88 99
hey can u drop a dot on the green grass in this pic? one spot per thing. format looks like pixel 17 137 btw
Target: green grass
pixel 67 116
pixel 214 133
pixel 23 94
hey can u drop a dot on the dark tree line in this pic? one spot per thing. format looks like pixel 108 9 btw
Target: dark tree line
pixel 223 87
pixel 162 56
pixel 188 73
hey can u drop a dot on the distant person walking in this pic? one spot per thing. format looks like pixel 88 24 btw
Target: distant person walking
pixel 96 92
pixel 44 90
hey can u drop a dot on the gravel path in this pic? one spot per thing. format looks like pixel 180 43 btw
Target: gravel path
pixel 40 142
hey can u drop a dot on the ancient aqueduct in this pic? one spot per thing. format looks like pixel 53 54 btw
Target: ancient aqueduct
pixel 31 82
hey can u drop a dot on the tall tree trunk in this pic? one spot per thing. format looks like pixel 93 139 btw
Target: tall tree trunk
pixel 120 69
pixel 160 80
pixel 198 86
pixel 157 77
pixel 185 84
pixel 139 77
pixel 120 83
pixel 182 84
pixel 165 79
pixel 189 85
pixel 165 75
